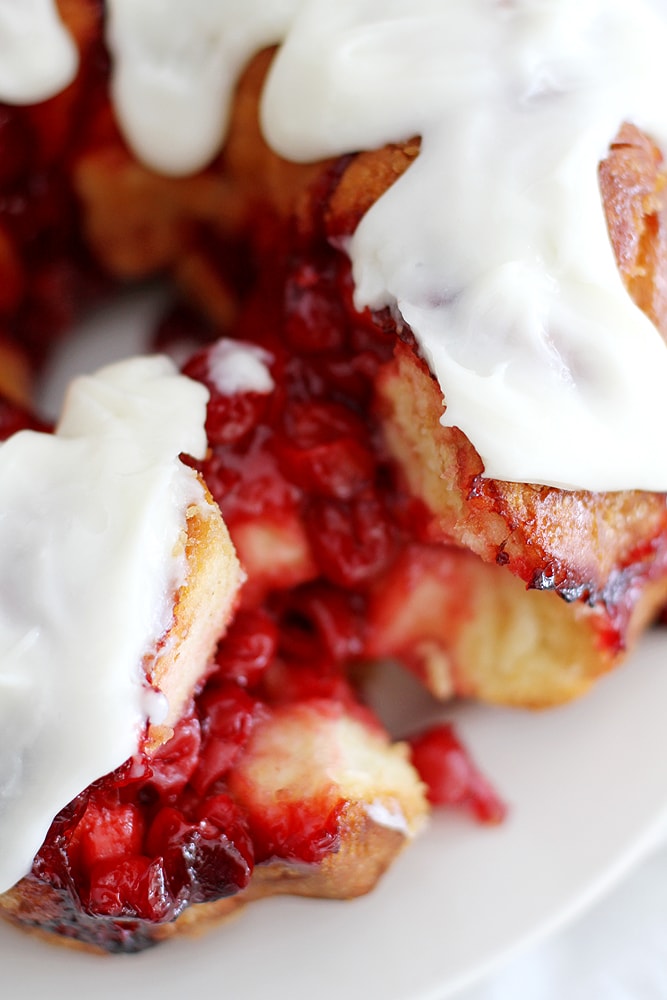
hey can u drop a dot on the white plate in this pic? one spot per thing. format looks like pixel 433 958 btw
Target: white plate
pixel 587 789
pixel 587 786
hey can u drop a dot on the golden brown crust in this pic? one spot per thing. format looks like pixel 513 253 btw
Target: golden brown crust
pixel 203 607
pixel 367 177
pixel 604 553
pixel 632 184
pixel 596 564
pixel 469 629
pixel 367 846
pixel 577 538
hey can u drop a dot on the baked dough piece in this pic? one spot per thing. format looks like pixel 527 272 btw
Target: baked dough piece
pixel 312 762
pixel 569 578
pixel 590 568
pixel 363 789
pixel 15 373
pixel 203 608
pixel 327 801
pixel 533 592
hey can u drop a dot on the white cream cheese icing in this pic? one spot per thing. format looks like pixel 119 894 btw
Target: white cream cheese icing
pixel 493 246
pixel 236 366
pixel 175 66
pixel 91 526
pixel 38 58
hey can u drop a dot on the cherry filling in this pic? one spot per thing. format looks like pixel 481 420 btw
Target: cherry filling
pixel 307 458
pixel 143 844
pixel 168 830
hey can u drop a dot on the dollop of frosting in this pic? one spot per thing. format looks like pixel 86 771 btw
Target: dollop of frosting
pixel 236 366
pixel 175 66
pixel 92 520
pixel 38 58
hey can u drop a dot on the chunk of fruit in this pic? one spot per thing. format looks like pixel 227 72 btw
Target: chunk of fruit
pixel 450 775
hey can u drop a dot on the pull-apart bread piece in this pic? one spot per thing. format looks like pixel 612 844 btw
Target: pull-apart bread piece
pixel 128 579
pixel 245 802
pixel 511 592
pixel 589 567
pixel 175 774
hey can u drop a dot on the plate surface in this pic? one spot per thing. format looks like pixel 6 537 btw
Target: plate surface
pixel 587 789
pixel 582 812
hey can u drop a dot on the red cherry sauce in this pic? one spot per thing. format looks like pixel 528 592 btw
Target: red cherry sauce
pixel 164 831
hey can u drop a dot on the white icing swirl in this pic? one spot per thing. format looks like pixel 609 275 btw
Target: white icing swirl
pixel 91 519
